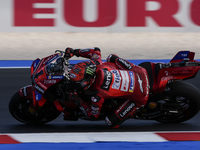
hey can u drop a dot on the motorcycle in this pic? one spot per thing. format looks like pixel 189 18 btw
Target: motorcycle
pixel 171 98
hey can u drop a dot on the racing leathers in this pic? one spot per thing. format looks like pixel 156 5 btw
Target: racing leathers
pixel 115 78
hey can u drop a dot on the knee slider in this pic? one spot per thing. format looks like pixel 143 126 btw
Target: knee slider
pixel 112 120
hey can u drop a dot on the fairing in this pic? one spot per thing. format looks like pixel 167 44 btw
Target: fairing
pixel 45 73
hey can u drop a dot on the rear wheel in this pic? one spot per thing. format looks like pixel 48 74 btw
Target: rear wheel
pixel 186 99
pixel 22 110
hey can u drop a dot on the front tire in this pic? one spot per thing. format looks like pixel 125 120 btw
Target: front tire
pixel 22 110
pixel 187 96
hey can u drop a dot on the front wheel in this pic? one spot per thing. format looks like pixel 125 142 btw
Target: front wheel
pixel 187 99
pixel 22 110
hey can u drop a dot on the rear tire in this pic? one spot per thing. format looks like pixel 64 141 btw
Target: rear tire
pixel 188 96
pixel 20 109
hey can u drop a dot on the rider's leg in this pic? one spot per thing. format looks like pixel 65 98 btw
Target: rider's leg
pixel 122 113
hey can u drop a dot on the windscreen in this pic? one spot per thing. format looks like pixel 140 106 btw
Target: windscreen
pixel 55 67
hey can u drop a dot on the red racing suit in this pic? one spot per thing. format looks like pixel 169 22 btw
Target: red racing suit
pixel 116 78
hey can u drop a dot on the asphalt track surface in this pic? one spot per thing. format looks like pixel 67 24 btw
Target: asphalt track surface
pixel 13 79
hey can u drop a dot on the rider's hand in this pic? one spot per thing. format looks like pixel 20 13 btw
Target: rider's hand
pixel 69 52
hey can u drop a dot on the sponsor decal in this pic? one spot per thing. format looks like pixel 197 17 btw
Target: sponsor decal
pixel 107 80
pixel 49 81
pixel 125 63
pixel 126 110
pixel 140 83
pixel 117 79
pixel 90 71
pixel 125 81
pixel 39 88
pixel 55 77
pixel 131 88
pixel 42 85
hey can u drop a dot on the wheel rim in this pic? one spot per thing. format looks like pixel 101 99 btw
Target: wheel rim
pixel 26 113
pixel 186 109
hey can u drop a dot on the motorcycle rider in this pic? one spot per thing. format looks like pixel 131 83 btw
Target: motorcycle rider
pixel 97 82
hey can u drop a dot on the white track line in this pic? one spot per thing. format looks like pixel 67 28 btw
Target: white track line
pixel 88 137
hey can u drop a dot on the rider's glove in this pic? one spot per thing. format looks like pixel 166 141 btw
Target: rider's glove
pixel 69 52
pixel 77 52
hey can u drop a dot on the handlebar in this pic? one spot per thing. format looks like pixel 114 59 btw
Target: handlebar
pixel 63 54
pixel 60 51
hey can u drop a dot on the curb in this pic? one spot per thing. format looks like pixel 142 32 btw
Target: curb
pixel 92 137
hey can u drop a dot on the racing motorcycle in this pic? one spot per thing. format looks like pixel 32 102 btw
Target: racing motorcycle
pixel 171 98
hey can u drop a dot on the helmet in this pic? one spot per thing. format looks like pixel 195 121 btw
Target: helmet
pixel 82 75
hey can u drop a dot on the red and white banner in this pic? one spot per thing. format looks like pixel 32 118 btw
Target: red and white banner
pixel 100 15
pixel 91 137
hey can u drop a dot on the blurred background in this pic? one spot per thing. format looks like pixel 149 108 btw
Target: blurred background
pixel 132 29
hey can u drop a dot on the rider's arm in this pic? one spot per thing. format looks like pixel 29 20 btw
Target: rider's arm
pixel 120 62
pixel 91 53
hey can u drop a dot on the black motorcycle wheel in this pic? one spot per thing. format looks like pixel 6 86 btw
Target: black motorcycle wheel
pixel 20 108
pixel 188 98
